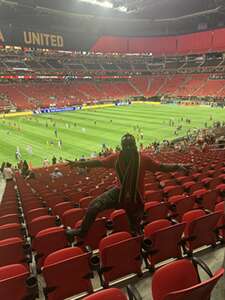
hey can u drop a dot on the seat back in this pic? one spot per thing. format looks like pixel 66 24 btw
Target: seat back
pixel 154 196
pixel 183 205
pixel 48 241
pixel 61 207
pixel 35 213
pixel 160 249
pixel 179 280
pixel 109 294
pixel 10 230
pixel 174 276
pixel 11 251
pixel 41 223
pixel 120 221
pixel 94 235
pixel 13 282
pixel 155 211
pixel 115 260
pixel 201 291
pixel 85 201
pixel 67 273
pixel 7 219
pixel 201 231
pixel 71 216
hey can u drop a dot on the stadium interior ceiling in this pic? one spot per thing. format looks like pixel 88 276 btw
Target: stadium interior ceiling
pixel 139 17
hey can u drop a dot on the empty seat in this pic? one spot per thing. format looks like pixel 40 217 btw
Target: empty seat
pixel 180 205
pixel 48 241
pixel 10 230
pixel 61 207
pixel 71 216
pixel 208 200
pixel 120 256
pixel 16 283
pixel 7 219
pixel 67 272
pixel 155 210
pixel 119 221
pixel 35 213
pixel 200 229
pixel 108 294
pixel 156 245
pixel 154 196
pixel 41 223
pixel 180 280
pixel 12 251
pixel 85 201
pixel 96 232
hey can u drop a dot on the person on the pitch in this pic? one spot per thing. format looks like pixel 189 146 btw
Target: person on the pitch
pixel 130 166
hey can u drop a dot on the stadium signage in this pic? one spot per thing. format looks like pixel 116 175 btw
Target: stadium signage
pixel 40 39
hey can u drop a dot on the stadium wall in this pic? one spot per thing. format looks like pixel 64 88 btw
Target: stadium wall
pixel 201 42
pixel 29 37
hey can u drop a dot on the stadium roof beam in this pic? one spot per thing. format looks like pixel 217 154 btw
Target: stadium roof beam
pixel 198 14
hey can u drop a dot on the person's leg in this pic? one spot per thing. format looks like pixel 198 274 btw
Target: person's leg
pixel 134 219
pixel 105 201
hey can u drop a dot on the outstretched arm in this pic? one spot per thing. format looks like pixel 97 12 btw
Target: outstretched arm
pixel 155 166
pixel 83 164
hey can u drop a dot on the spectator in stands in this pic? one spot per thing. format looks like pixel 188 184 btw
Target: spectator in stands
pixel 54 160
pixel 130 166
pixel 45 163
pixel 8 172
pixel 56 173
pixel 2 167
pixel 60 159
pixel 25 169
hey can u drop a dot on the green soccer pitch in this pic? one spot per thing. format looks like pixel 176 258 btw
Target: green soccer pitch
pixel 83 132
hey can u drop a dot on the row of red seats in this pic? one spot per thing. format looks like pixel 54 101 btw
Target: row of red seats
pixel 29 199
pixel 32 95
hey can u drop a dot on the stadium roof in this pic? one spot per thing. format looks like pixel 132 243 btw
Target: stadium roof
pixel 149 9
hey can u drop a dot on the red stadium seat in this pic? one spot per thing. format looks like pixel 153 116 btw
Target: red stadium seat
pixel 61 207
pixel 179 280
pixel 67 272
pixel 35 213
pixel 7 219
pixel 10 230
pixel 180 205
pixel 108 294
pixel 158 233
pixel 208 200
pixel 200 229
pixel 94 235
pixel 48 241
pixel 120 221
pixel 12 251
pixel 115 261
pixel 173 190
pixel 154 196
pixel 71 216
pixel 220 207
pixel 155 210
pixel 41 223
pixel 8 211
pixel 16 284
pixel 85 201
